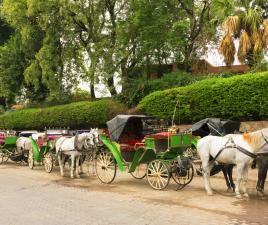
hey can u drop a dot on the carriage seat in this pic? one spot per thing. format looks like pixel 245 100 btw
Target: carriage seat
pixel 130 145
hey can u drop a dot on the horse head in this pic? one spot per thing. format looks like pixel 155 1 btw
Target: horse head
pixel 88 139
pixel 95 133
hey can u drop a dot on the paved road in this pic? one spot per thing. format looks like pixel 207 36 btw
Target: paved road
pixel 34 197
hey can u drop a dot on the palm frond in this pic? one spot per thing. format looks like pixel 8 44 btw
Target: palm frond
pixel 231 24
pixel 244 46
pixel 227 49
pixel 265 32
pixel 251 20
pixel 256 41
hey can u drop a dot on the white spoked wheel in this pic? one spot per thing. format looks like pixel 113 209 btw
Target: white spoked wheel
pixel 105 167
pixel 3 157
pixel 31 159
pixel 158 174
pixel 140 171
pixel 48 162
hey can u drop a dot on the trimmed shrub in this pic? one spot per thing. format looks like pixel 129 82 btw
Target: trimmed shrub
pixel 75 115
pixel 134 90
pixel 242 97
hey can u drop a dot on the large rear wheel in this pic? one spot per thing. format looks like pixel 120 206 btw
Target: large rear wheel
pixel 105 167
pixel 48 162
pixel 158 174
pixel 31 159
pixel 4 156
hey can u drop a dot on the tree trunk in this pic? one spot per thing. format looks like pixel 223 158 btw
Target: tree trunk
pixel 92 90
pixel 111 86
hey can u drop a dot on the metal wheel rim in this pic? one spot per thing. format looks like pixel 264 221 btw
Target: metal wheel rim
pixel 140 171
pixel 158 174
pixel 48 162
pixel 31 159
pixel 4 156
pixel 105 167
pixel 186 179
pixel 1 158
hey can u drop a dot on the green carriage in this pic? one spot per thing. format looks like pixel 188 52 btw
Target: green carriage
pixel 8 149
pixel 134 146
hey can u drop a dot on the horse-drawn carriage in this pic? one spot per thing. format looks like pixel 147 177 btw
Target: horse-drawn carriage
pixel 43 148
pixel 132 144
pixel 8 148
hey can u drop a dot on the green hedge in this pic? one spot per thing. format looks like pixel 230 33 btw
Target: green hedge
pixel 243 97
pixel 74 115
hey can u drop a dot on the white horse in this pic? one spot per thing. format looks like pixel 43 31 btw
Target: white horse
pixel 231 149
pixel 23 145
pixel 72 147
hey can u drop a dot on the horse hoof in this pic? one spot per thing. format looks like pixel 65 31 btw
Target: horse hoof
pixel 210 193
pixel 260 194
pixel 239 196
pixel 230 190
pixel 246 195
pixel 78 176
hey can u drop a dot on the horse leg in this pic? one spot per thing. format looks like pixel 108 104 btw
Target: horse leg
pixel 60 163
pixel 227 178
pixel 244 181
pixel 206 174
pixel 239 180
pixel 72 165
pixel 230 175
pixel 81 161
pixel 262 174
pixel 77 166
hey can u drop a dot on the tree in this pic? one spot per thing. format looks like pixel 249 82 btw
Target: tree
pixel 248 25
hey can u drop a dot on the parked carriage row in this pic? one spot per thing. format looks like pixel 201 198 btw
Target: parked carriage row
pixel 135 143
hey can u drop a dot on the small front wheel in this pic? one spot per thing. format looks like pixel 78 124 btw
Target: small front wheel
pixel 140 171
pixel 183 176
pixel 48 162
pixel 158 174
pixel 31 159
pixel 105 167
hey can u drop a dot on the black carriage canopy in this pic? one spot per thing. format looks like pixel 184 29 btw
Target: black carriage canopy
pixel 215 126
pixel 131 124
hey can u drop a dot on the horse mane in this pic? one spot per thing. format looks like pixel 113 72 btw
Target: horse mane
pixel 254 139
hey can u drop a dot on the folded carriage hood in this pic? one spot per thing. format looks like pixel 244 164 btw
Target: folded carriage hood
pixel 215 126
pixel 117 124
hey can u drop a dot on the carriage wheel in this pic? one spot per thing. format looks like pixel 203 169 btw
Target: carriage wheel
pixel 184 179
pixel 158 174
pixel 3 157
pixel 48 162
pixel 140 171
pixel 105 167
pixel 31 159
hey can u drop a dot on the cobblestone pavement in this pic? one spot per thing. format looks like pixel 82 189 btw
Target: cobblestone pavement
pixel 35 197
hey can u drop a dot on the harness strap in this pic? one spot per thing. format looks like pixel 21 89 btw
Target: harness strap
pixel 246 152
pixel 223 148
pixel 233 145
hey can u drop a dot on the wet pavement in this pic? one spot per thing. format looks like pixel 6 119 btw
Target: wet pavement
pixel 35 197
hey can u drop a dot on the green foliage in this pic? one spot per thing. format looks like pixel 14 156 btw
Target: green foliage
pixel 75 115
pixel 136 89
pixel 242 97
